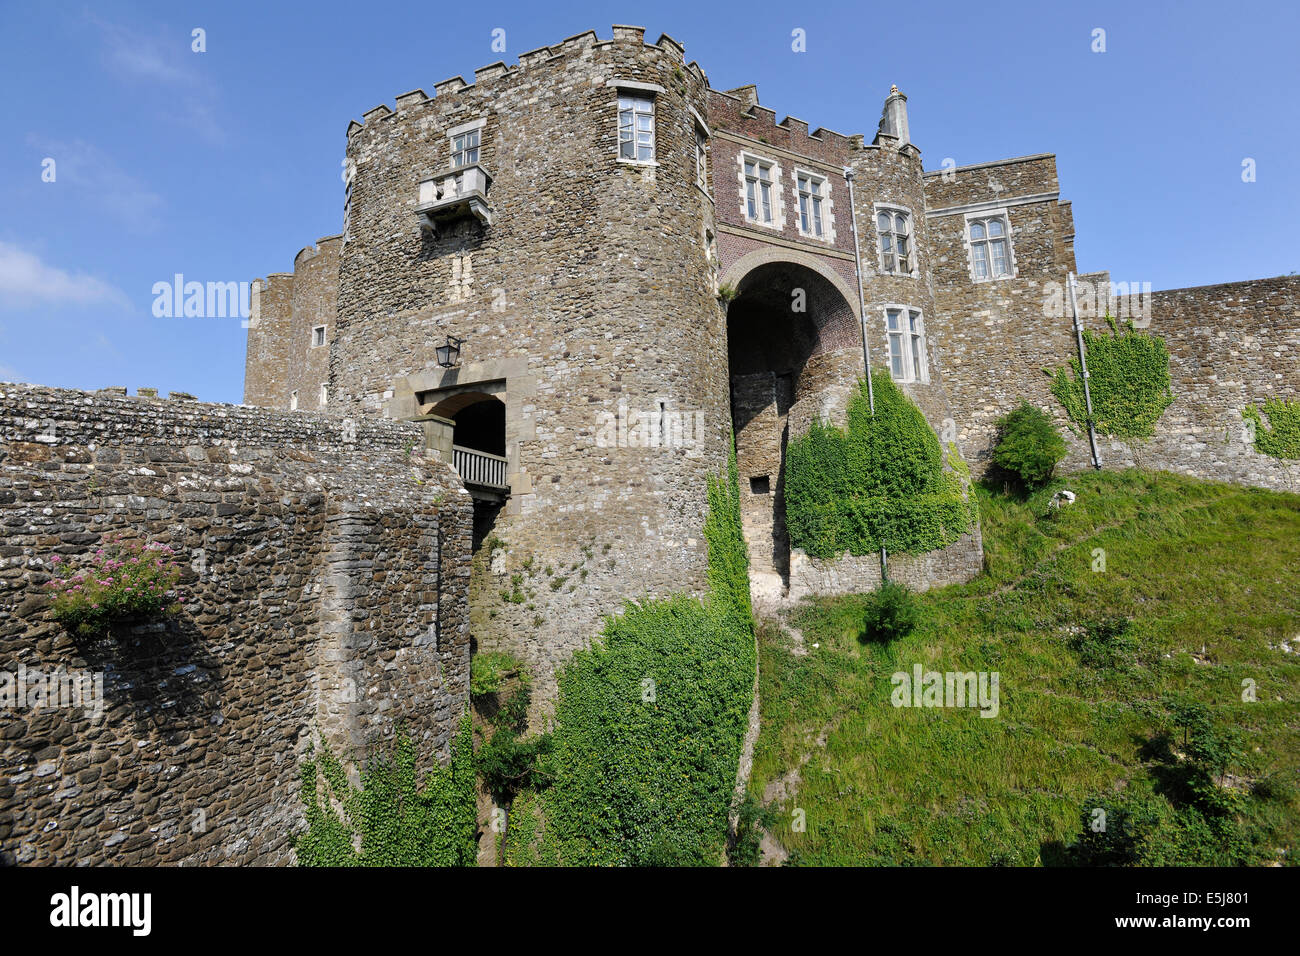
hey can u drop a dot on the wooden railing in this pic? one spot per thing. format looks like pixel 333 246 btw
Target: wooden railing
pixel 479 468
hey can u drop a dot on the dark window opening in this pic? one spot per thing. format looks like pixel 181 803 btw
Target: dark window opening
pixel 482 427
pixel 760 485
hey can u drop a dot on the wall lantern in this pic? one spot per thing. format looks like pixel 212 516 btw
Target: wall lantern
pixel 449 354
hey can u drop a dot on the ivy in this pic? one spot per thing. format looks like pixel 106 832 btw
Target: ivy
pixel 879 482
pixel 1128 378
pixel 649 723
pixel 390 820
pixel 1280 437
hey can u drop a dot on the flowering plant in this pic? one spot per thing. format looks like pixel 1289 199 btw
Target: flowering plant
pixel 124 580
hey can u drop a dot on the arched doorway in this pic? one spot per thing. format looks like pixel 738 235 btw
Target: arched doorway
pixel 793 352
pixel 479 453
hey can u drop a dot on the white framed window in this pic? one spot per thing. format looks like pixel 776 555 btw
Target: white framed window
pixel 812 200
pixel 758 190
pixel 317 336
pixel 989 239
pixel 293 400
pixel 701 160
pixel 324 394
pixel 905 338
pixel 465 140
pixel 894 236
pixel 464 149
pixel 636 128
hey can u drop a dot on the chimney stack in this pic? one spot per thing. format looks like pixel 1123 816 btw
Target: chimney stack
pixel 893 118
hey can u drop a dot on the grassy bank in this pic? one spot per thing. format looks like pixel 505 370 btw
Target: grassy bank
pixel 1208 575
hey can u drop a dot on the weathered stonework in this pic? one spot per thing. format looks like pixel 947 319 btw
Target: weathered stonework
pixel 284 357
pixel 325 578
pixel 1230 345
pixel 586 289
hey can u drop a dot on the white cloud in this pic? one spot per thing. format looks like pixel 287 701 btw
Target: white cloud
pixel 102 184
pixel 8 374
pixel 166 62
pixel 25 280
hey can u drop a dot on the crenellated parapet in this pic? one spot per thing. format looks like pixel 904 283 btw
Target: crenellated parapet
pixel 290 331
pixel 496 77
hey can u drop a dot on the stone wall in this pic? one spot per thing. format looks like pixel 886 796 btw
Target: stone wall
pixel 282 355
pixel 1230 345
pixel 587 306
pixel 991 337
pixel 325 577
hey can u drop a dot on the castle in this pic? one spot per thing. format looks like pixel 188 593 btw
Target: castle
pixel 622 264
pixel 489 409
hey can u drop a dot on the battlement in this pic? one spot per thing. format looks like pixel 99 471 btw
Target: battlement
pixel 741 104
pixel 496 73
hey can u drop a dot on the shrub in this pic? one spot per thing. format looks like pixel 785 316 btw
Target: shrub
pixel 1028 445
pixel 126 580
pixel 752 818
pixel 390 820
pixel 891 612
pixel 879 482
pixel 1117 830
pixel 1145 829
pixel 649 723
pixel 488 670
pixel 1106 644
pixel 509 764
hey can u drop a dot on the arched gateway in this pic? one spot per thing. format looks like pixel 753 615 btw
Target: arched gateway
pixel 794 352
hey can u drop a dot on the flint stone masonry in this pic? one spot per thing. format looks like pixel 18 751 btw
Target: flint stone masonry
pixel 594 288
pixel 283 358
pixel 325 574
pixel 1231 345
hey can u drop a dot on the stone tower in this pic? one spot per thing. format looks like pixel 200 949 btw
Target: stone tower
pixel 580 273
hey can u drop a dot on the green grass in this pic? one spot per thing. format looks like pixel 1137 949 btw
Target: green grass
pixel 1208 573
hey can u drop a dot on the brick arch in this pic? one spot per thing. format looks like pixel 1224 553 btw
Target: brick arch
pixel 750 261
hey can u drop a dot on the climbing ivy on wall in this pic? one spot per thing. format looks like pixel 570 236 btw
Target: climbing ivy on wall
pixel 649 724
pixel 390 820
pixel 880 481
pixel 1280 436
pixel 1128 376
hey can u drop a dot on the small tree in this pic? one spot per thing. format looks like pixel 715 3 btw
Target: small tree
pixel 892 612
pixel 1028 445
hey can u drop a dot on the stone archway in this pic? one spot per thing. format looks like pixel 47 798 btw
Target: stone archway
pixel 794 355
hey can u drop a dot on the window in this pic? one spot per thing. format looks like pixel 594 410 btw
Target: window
pixel 989 250
pixel 293 400
pixel 905 333
pixel 894 227
pixel 464 149
pixel 917 344
pixel 701 156
pixel 636 128
pixel 318 336
pixel 758 190
pixel 811 193
pixel 324 395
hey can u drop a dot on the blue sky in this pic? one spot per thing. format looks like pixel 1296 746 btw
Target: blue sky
pixel 221 165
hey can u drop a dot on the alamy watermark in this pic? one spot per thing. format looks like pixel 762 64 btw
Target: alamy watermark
pixel 923 688
pixel 207 300
pixel 1120 300
pixel 658 427
pixel 24 689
